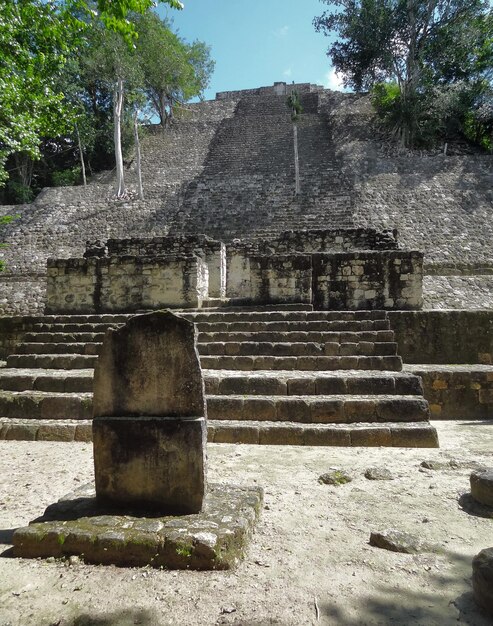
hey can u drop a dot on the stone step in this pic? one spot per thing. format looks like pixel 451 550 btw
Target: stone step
pixel 289 336
pixel 88 348
pixel 335 408
pixel 285 316
pixel 212 337
pixel 243 363
pixel 232 326
pixel 405 435
pixel 223 382
pixel 52 380
pixel 74 337
pixel 52 361
pixel 45 405
pixel 328 409
pixel 296 349
pixel 338 326
pixel 121 318
pixel 302 363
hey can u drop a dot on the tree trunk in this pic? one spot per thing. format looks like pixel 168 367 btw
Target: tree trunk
pixel 81 155
pixel 296 162
pixel 117 116
pixel 138 161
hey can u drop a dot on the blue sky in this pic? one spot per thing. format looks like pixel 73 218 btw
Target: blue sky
pixel 257 42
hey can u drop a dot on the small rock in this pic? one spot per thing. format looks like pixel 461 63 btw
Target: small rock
pixel 397 541
pixel 482 579
pixel 228 609
pixel 335 477
pixel 378 473
pixel 482 487
pixel 73 560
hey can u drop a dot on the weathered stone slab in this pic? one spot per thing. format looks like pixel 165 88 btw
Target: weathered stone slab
pixel 150 367
pixel 399 541
pixel 482 579
pixel 482 487
pixel 150 429
pixel 151 463
pixel 216 538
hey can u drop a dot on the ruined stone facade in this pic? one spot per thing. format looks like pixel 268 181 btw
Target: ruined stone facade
pixel 226 170
pixel 183 272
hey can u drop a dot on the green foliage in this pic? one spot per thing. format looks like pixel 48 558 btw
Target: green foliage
pixel 19 193
pixel 478 127
pixel 67 178
pixel 35 38
pixel 173 70
pixel 294 104
pixel 419 45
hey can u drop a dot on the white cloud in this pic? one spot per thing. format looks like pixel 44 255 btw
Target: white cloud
pixel 282 32
pixel 287 72
pixel 333 80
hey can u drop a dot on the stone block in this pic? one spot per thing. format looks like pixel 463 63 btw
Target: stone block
pixel 371 437
pixel 56 432
pixel 327 411
pixel 153 463
pixel 242 433
pixel 482 487
pixel 482 579
pixel 424 436
pixel 327 437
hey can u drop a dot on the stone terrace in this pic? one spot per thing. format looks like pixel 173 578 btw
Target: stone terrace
pixel 292 376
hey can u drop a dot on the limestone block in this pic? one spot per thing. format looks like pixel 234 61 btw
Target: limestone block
pixel 151 367
pixel 482 579
pixel 482 487
pixel 151 462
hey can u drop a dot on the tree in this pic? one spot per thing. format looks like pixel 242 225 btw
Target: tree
pixel 294 104
pixel 418 44
pixel 173 70
pixel 36 39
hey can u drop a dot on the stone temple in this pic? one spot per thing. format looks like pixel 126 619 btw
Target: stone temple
pixel 317 313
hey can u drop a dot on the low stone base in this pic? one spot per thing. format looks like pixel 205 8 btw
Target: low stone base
pixel 216 538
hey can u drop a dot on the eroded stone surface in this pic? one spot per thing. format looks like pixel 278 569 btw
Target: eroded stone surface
pixel 335 477
pixel 482 487
pixel 213 539
pixel 399 541
pixel 482 579
pixel 378 473
pixel 150 366
pixel 154 463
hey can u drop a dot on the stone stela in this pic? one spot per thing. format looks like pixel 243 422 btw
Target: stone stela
pixel 149 424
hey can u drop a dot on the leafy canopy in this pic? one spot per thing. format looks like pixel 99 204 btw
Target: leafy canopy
pixel 420 45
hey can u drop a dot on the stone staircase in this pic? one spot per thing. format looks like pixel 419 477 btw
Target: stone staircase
pixel 292 376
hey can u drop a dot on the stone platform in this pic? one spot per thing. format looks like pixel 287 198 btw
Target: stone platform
pixel 216 538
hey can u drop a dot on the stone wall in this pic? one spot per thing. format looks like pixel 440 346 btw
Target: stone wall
pixel 368 280
pixel 125 284
pixel 457 393
pixel 281 279
pixel 444 336
pixel 277 89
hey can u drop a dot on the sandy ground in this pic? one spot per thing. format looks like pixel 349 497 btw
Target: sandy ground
pixel 309 561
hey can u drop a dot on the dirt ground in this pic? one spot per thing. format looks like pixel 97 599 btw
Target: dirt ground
pixel 309 561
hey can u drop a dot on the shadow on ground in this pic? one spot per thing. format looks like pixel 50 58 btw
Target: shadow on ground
pixel 126 617
pixel 385 606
